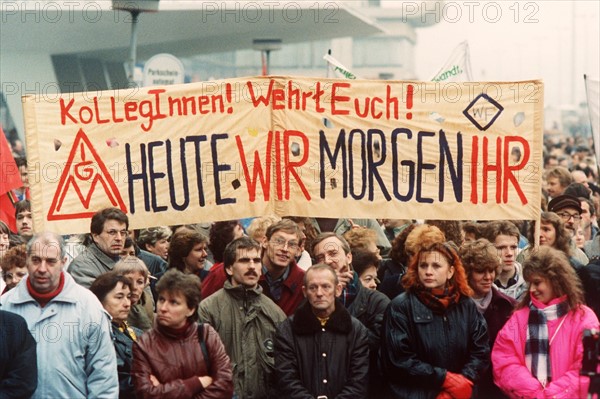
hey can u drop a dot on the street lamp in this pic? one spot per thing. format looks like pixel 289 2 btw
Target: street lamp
pixel 265 46
pixel 134 7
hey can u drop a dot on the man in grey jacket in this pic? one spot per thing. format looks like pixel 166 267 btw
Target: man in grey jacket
pixel 245 319
pixel 108 233
pixel 75 353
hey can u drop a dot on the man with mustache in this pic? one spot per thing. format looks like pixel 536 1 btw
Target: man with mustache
pixel 24 219
pixel 245 319
pixel 569 209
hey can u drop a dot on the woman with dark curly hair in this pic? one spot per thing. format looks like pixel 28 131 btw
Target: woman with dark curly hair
pixel 14 267
pixel 187 252
pixel 552 234
pixel 434 340
pixel 539 351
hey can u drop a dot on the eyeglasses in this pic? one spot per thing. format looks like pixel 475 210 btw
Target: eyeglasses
pixel 565 216
pixel 113 233
pixel 281 242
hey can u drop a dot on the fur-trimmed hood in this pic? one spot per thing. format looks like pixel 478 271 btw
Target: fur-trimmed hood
pixel 305 322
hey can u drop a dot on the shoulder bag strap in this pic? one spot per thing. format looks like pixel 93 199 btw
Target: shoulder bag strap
pixel 203 345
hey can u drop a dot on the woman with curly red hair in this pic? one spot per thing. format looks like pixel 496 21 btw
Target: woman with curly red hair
pixel 434 340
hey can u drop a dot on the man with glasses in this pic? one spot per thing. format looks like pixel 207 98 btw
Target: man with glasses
pixel 245 319
pixel 108 231
pixel 569 209
pixel 282 277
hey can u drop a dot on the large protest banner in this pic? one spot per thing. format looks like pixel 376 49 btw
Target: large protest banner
pixel 253 146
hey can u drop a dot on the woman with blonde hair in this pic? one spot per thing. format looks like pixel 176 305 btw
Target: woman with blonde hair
pixel 141 314
pixel 539 351
pixel 434 341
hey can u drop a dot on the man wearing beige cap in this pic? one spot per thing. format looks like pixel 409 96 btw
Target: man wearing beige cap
pixel 569 209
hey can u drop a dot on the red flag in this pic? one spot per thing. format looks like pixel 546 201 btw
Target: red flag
pixel 10 179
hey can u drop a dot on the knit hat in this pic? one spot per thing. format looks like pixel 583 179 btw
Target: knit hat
pixel 564 201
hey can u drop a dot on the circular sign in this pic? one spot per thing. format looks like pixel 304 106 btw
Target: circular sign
pixel 163 69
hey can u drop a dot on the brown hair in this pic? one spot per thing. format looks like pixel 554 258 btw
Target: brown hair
pixel 561 173
pixel 258 226
pixel 14 257
pixel 493 229
pixel 219 235
pixel 479 256
pixel 471 228
pixel 106 282
pixel 553 265
pixel 188 285
pixel 359 239
pixel 285 225
pixel 182 243
pixel 562 240
pixel 102 216
pixel 398 252
pixel 362 259
pixel 451 229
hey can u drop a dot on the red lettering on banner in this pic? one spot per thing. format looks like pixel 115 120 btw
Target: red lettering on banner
pixel 96 108
pixel 284 168
pixel 508 175
pixel 318 94
pixel 500 167
pixel 339 99
pixel 257 170
pixel 130 108
pixel 487 168
pixel 65 111
pixel 113 111
pixel 474 158
pixel 290 167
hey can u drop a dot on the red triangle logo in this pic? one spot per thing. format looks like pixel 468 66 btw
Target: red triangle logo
pixel 86 177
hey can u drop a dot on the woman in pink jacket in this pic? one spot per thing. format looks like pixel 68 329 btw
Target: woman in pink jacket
pixel 538 352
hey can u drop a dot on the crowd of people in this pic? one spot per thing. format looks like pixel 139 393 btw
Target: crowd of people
pixel 299 307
